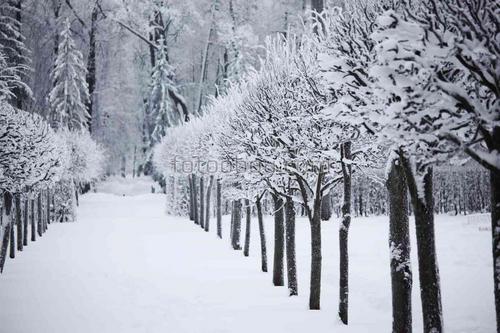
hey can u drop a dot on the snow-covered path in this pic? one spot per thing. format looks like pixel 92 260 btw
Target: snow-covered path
pixel 127 267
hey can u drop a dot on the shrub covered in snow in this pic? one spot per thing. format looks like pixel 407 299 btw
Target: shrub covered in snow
pixel 32 154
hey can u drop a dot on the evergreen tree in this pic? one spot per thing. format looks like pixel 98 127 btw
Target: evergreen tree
pixel 14 63
pixel 163 111
pixel 69 94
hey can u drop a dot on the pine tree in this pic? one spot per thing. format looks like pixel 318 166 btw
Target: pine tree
pixel 69 94
pixel 14 63
pixel 161 108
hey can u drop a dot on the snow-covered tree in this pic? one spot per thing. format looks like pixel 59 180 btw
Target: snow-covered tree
pixel 15 55
pixel 443 92
pixel 31 155
pixel 162 110
pixel 69 95
pixel 31 159
pixel 10 78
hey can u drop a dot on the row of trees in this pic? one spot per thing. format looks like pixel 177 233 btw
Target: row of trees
pixel 45 157
pixel 363 86
pixel 457 190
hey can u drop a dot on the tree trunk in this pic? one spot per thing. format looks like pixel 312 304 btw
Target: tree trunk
pixel 12 237
pixel 209 194
pixel 430 290
pixel 219 208
pixel 231 227
pixel 19 222
pixel 495 225
pixel 91 64
pixel 316 258
pixel 26 221
pixel 76 196
pixel 39 214
pixel 343 235
pixel 202 202
pixel 195 200
pixel 7 200
pixel 204 63
pixel 279 241
pixel 291 265
pixel 33 228
pixel 48 207
pixel 263 250
pixel 191 201
pixel 326 207
pixel 236 234
pixel 399 245
pixel 246 249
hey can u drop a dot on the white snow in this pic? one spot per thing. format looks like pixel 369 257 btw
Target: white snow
pixel 127 267
pixel 127 186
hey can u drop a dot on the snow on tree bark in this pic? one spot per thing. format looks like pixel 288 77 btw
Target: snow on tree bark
pixel 344 234
pixel 399 246
pixel 91 65
pixel 423 208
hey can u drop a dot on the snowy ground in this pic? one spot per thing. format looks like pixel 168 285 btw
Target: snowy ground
pixel 126 267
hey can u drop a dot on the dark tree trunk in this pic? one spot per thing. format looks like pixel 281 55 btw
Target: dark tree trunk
pixel 202 202
pixel 263 250
pixel 291 264
pixel 219 208
pixel 209 194
pixel 39 214
pixel 7 201
pixel 191 201
pixel 236 233
pixel 231 227
pixel 326 207
pixel 343 235
pixel 495 224
pixel 399 245
pixel 195 200
pixel 430 290
pixel 316 258
pixel 33 228
pixel 279 241
pixel 19 222
pixel 246 249
pixel 26 221
pixel 12 238
pixel 91 64
pixel 76 195
pixel 314 216
pixel 48 207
